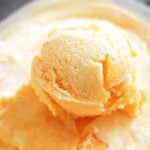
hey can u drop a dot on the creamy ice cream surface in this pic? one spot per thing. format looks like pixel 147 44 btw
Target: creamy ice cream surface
pixel 71 76
pixel 87 67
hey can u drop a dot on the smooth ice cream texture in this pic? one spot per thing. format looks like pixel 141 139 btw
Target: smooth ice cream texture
pixel 87 67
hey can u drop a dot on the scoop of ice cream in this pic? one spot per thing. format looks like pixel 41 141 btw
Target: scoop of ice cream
pixel 87 67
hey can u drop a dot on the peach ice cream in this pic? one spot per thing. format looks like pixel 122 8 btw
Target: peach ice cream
pixel 85 80
pixel 87 67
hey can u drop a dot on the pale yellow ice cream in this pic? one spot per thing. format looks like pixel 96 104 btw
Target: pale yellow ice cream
pixel 87 67
pixel 27 124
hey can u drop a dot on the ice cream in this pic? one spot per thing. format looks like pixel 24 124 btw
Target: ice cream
pixel 23 119
pixel 87 67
